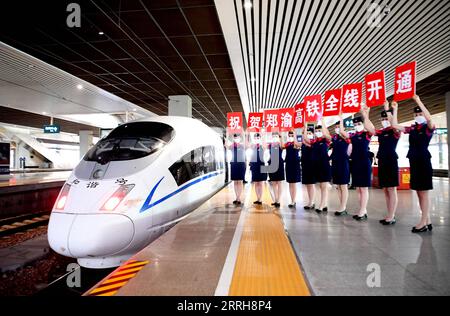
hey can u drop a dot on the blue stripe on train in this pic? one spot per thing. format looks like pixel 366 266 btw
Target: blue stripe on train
pixel 147 205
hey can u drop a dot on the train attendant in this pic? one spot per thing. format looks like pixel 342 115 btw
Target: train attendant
pixel 238 167
pixel 420 135
pixel 361 166
pixel 340 166
pixel 256 165
pixel 293 171
pixel 322 167
pixel 388 164
pixel 276 164
pixel 307 163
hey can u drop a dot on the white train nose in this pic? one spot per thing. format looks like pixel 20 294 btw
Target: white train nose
pixel 89 235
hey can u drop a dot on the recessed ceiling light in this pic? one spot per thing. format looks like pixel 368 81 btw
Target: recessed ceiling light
pixel 45 113
pixel 248 4
pixel 101 33
pixel 79 87
pixel 134 109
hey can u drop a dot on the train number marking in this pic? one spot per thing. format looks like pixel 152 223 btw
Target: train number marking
pixel 121 181
pixel 92 185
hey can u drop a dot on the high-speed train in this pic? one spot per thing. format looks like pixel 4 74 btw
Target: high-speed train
pixel 132 186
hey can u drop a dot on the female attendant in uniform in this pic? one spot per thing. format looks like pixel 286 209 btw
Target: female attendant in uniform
pixel 340 166
pixel 238 167
pixel 276 164
pixel 307 163
pixel 420 135
pixel 322 168
pixel 361 166
pixel 256 165
pixel 293 171
pixel 388 164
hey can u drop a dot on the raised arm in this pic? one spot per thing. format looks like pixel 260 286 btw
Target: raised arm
pixel 326 132
pixel 342 128
pixel 425 111
pixel 365 111
pixel 305 139
pixel 395 117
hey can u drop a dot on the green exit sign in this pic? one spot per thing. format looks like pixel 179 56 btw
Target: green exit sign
pixel 52 129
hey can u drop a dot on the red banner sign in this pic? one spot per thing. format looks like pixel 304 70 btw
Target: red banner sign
pixel 313 108
pixel 299 118
pixel 234 122
pixel 255 121
pixel 332 105
pixel 405 82
pixel 351 98
pixel 375 89
pixel 272 120
pixel 287 119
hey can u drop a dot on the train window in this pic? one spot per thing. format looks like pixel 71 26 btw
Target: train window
pixel 194 164
pixel 143 130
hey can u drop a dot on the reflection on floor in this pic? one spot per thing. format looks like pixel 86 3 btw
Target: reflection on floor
pixel 341 256
pixel 35 178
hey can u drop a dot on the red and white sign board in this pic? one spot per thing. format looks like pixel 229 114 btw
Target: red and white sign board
pixel 234 122
pixel 375 89
pixel 351 98
pixel 332 103
pixel 313 108
pixel 405 82
pixel 255 121
pixel 299 118
pixel 287 119
pixel 272 120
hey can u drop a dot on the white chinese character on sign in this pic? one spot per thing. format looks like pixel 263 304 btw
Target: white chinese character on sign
pixel 312 108
pixel 286 120
pixel 351 98
pixel 404 82
pixel 272 120
pixel 235 122
pixel 331 104
pixel 374 89
pixel 255 122
pixel 299 117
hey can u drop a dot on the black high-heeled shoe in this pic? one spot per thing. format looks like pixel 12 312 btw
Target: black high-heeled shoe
pixel 277 205
pixel 430 227
pixel 257 203
pixel 293 205
pixel 386 223
pixel 308 208
pixel 360 218
pixel 420 230
pixel 341 213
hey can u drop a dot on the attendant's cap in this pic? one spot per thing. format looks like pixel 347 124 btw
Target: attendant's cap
pixel 337 123
pixel 319 127
pixel 358 119
pixel 257 135
pixel 310 129
pixel 236 135
pixel 417 109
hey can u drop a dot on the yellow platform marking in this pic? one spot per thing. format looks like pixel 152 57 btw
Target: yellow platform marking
pixel 266 264
pixel 118 278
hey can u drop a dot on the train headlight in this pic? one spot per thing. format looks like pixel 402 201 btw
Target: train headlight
pixel 62 199
pixel 117 197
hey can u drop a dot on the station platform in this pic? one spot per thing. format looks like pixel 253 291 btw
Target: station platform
pixel 30 192
pixel 225 250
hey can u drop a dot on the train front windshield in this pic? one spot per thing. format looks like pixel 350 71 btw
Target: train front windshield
pixel 131 141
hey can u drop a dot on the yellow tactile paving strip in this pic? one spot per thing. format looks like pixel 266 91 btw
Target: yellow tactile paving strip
pixel 266 264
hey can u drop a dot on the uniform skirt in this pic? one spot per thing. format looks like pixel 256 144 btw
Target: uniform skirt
pixel 361 173
pixel 293 171
pixel 237 171
pixel 340 170
pixel 308 172
pixel 279 174
pixel 322 170
pixel 421 174
pixel 257 175
pixel 388 172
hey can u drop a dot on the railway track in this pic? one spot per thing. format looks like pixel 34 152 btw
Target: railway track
pixel 12 225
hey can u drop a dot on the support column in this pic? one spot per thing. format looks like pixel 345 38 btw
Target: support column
pixel 447 112
pixel 86 139
pixel 180 105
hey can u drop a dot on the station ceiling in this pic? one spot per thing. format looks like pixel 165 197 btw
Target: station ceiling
pixel 230 58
